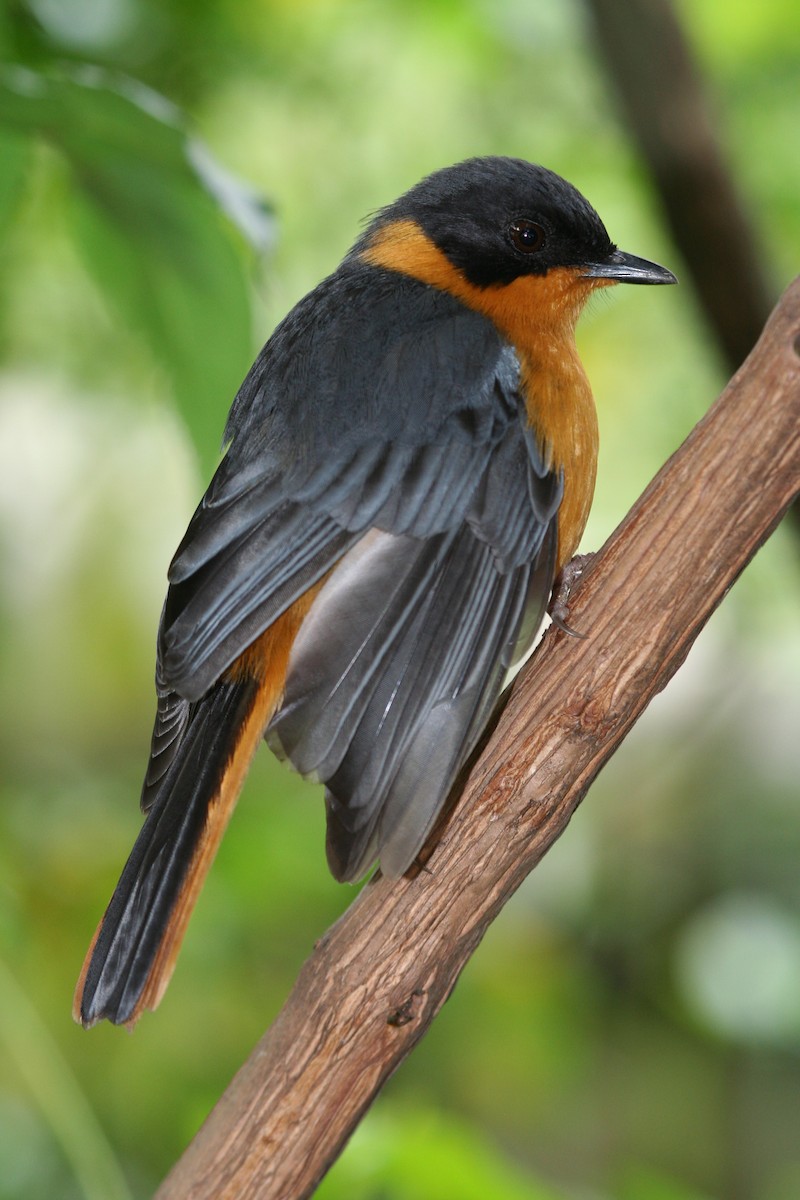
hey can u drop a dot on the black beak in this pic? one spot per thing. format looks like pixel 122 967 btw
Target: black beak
pixel 627 268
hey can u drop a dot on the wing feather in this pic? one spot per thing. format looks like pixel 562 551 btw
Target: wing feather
pixel 389 686
pixel 324 446
pixel 410 468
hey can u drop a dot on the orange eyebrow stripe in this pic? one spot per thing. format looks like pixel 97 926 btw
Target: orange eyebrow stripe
pixel 403 246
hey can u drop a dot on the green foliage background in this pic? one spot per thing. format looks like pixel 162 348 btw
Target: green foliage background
pixel 630 1027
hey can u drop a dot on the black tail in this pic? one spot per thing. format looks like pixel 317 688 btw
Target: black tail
pixel 133 953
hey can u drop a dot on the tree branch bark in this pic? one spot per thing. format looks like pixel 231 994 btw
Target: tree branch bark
pixel 378 978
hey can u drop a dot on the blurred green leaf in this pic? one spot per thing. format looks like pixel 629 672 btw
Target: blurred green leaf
pixel 147 211
pixel 641 1183
pixel 29 1045
pixel 426 1155
pixel 14 159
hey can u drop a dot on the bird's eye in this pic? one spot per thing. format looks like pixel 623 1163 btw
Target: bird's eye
pixel 526 236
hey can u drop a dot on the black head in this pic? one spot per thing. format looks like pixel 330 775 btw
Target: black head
pixel 498 218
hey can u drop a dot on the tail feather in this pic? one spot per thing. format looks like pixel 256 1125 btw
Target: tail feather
pixel 200 755
pixel 133 953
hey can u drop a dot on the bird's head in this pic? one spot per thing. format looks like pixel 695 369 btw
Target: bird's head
pixel 496 220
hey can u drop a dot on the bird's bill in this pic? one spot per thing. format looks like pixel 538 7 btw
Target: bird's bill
pixel 627 268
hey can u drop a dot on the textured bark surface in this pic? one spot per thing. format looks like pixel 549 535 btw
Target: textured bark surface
pixel 377 979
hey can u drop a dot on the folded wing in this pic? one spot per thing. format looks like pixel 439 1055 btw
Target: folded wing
pixel 407 478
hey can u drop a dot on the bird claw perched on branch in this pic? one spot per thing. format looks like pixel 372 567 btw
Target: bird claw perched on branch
pixel 565 583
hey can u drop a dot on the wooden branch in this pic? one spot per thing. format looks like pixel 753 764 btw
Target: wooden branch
pixel 377 979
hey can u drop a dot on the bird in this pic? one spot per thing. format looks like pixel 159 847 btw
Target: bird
pixel 408 466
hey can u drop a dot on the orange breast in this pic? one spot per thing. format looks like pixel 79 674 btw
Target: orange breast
pixel 537 314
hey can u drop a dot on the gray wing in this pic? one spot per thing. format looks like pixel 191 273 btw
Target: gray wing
pixel 402 657
pixel 402 455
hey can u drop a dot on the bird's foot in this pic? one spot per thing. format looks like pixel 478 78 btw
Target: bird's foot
pixel 569 576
